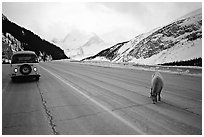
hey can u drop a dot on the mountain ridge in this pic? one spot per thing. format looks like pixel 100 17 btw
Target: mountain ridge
pixel 161 44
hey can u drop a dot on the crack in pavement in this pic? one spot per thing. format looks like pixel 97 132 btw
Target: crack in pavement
pixel 47 111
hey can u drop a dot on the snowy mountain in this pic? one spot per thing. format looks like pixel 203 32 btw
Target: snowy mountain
pixel 177 41
pixel 10 45
pixel 78 45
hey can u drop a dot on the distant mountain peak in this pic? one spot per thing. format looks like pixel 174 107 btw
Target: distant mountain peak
pixel 76 38
pixel 78 44
pixel 94 39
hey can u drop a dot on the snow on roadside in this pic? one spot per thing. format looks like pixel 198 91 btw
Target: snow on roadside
pixel 181 70
pixel 102 62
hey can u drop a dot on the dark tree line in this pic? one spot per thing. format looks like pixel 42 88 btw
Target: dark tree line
pixel 31 41
pixel 192 62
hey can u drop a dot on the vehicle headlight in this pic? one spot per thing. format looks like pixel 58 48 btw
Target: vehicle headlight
pixel 35 69
pixel 15 70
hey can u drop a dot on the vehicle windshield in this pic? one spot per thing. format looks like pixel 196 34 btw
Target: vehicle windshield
pixel 24 58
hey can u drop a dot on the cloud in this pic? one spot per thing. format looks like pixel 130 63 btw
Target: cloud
pixel 89 17
pixel 114 21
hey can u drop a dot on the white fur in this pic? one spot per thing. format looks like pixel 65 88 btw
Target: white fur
pixel 156 85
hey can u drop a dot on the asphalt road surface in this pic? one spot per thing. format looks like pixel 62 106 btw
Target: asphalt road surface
pixel 74 98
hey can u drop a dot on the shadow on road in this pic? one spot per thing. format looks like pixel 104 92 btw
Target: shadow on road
pixel 24 80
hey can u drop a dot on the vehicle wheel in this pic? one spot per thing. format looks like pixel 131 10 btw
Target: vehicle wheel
pixel 25 69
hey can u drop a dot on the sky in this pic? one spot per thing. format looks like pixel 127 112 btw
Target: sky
pixel 112 21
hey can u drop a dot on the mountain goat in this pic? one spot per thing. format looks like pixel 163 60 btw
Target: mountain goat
pixel 156 87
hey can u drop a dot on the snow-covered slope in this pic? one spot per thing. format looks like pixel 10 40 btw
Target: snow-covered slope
pixel 10 45
pixel 177 41
pixel 78 45
pixel 187 51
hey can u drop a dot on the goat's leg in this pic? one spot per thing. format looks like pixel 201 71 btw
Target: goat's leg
pixel 159 95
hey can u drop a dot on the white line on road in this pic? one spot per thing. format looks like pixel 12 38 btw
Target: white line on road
pixel 97 103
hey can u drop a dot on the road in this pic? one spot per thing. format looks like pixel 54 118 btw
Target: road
pixel 80 99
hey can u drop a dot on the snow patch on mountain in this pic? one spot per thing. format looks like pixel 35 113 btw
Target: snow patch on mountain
pixel 179 52
pixel 10 41
pixel 101 59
